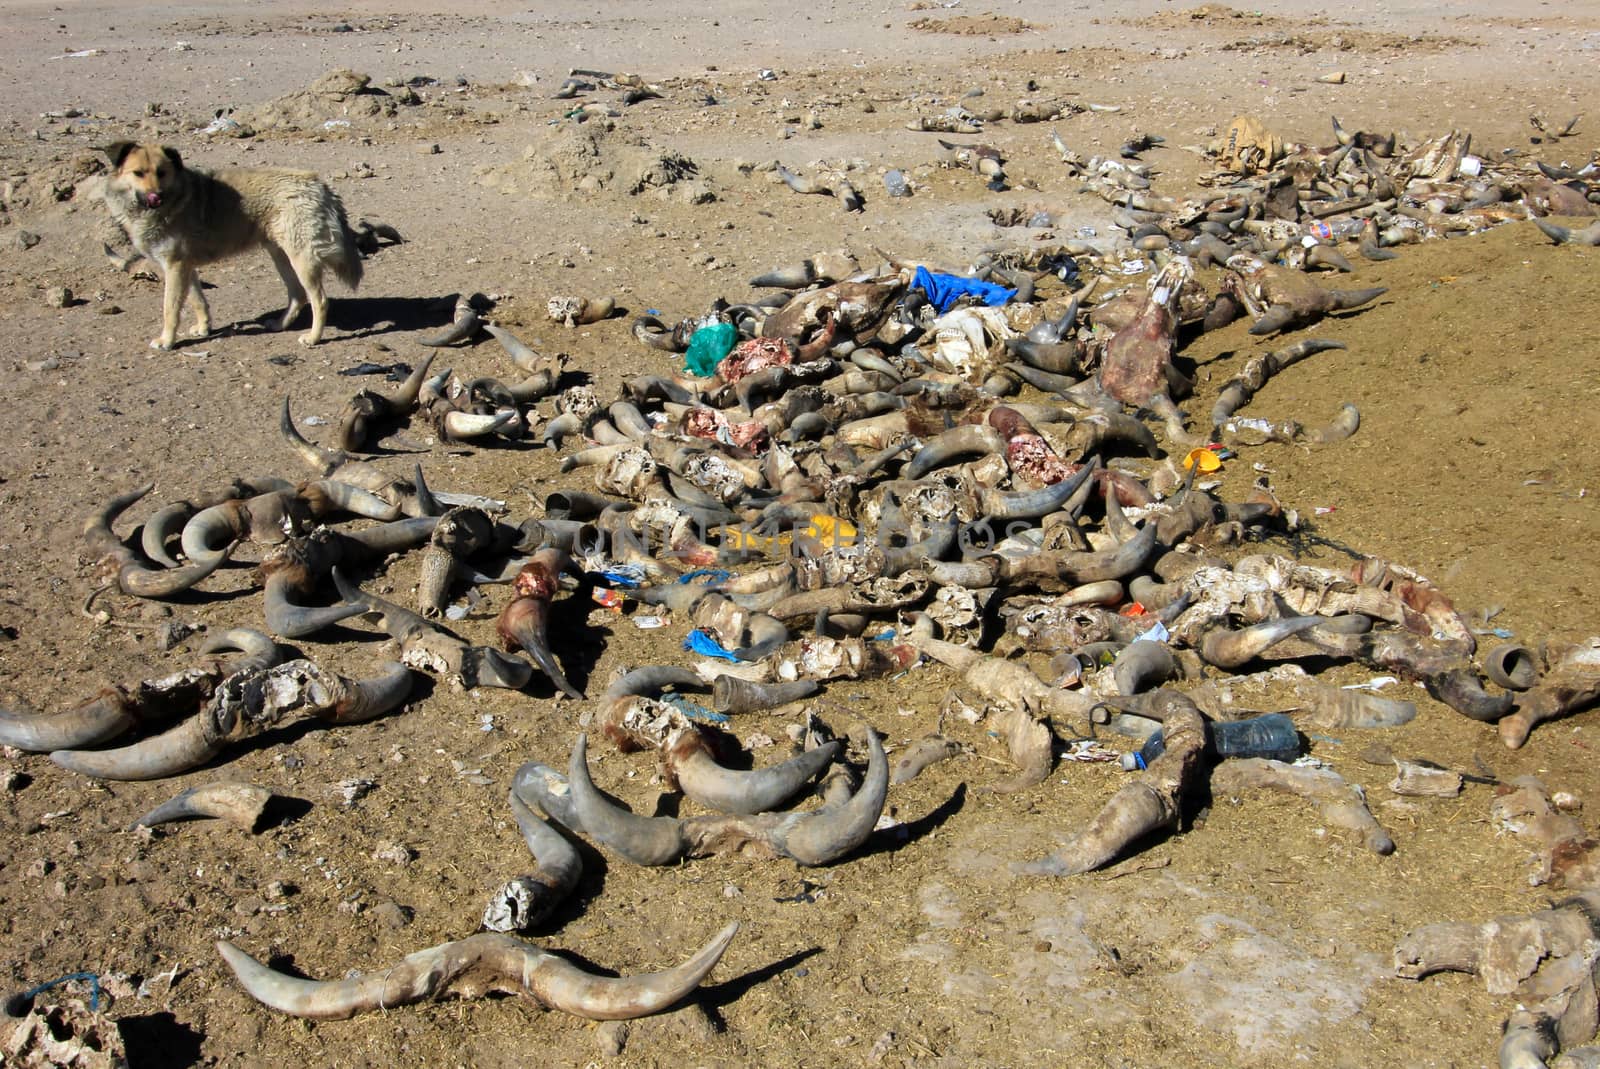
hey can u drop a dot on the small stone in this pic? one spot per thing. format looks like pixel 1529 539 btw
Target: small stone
pixel 430 149
pixel 248 907
pixel 395 853
pixel 169 633
pixel 26 239
pixel 58 297
pixel 392 915
pixel 40 869
pixel 611 1037
pixel 352 789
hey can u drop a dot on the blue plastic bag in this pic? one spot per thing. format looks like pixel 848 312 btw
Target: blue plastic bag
pixel 944 290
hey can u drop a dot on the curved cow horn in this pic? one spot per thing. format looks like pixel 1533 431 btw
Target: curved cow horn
pixel 102 717
pixel 132 577
pixel 296 621
pixel 525 622
pixel 467 323
pixel 1032 504
pixel 237 803
pixel 189 745
pixel 654 679
pixel 162 525
pixel 730 694
pixel 829 833
pixel 367 699
pixel 220 525
pixel 459 425
pixel 1278 317
pixel 259 650
pixel 953 443
pixel 727 791
pixel 790 277
pixel 1512 666
pixel 325 493
pixel 642 840
pixel 520 353
pixel 657 335
pixel 1343 299
pixel 1562 235
pixel 321 459
pixel 1227 648
pixel 479 963
pixel 527 900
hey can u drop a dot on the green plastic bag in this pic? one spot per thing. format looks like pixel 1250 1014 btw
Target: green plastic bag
pixel 707 347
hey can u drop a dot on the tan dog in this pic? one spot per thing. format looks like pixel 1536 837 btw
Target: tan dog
pixel 183 219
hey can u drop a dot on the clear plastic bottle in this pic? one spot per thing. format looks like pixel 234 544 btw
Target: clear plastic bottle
pixel 1334 229
pixel 1271 735
pixel 895 182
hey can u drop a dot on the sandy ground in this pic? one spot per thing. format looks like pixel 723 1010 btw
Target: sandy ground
pixel 1258 936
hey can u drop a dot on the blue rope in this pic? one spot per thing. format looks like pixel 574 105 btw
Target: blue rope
pixel 94 988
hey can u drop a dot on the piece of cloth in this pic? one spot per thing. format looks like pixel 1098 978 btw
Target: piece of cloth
pixel 944 290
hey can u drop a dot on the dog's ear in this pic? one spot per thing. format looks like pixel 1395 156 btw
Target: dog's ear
pixel 118 151
pixel 172 154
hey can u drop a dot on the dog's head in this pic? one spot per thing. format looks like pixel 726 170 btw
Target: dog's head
pixel 147 172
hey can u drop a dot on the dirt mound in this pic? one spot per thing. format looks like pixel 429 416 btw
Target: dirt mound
pixel 49 183
pixel 339 98
pixel 974 25
pixel 1303 36
pixel 589 157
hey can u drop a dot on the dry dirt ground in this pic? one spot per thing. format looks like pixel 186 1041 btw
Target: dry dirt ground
pixel 1255 937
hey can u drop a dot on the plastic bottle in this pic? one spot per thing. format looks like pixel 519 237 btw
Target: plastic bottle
pixel 1271 735
pixel 895 182
pixel 1335 229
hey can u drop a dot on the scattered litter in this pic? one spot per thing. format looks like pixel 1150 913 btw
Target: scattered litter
pixel 1375 683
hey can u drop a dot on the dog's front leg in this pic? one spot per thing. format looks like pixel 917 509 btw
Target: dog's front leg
pixel 178 278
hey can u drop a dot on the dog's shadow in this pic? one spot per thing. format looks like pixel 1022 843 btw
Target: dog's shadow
pixel 361 317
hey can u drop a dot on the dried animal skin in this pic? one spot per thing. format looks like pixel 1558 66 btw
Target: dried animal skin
pixel 1568 855
pixel 1029 743
pixel 1340 803
pixel 1134 367
pixel 1424 781
pixel 1570 683
pixel 928 750
pixel 1546 959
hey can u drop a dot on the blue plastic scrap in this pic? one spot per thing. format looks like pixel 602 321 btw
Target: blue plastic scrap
pixel 944 290
pixel 710 575
pixel 706 646
pixel 1156 633
pixel 694 710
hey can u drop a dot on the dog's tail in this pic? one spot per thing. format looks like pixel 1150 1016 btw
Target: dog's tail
pixel 345 259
